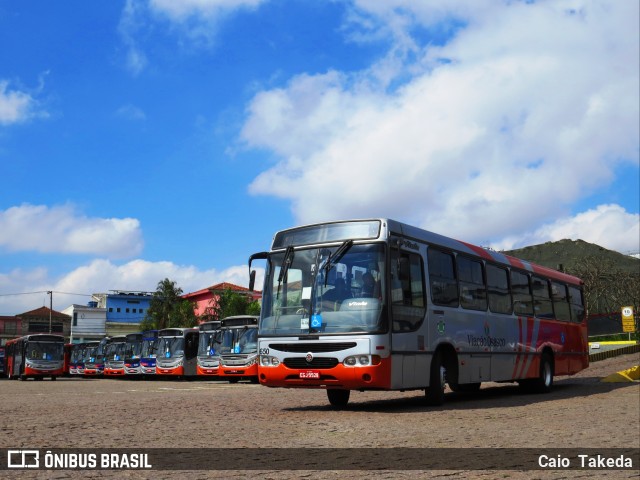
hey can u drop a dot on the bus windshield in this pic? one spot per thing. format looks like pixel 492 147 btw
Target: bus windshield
pixel 134 349
pixel 239 340
pixel 90 353
pixel 115 351
pixel 209 343
pixel 334 290
pixel 149 348
pixel 44 351
pixel 169 347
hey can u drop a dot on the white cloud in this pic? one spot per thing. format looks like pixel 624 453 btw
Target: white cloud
pixel 60 229
pixel 609 226
pixel 100 276
pixel 131 112
pixel 520 114
pixel 130 24
pixel 15 106
pixel 180 10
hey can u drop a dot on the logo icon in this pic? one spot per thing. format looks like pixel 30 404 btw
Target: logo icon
pixel 23 459
pixel 309 357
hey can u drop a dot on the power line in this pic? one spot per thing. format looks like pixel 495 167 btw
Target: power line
pixel 45 291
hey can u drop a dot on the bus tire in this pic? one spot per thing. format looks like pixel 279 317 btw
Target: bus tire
pixel 53 378
pixel 544 381
pixel 434 394
pixel 338 398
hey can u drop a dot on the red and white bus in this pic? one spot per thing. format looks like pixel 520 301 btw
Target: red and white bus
pixel 209 342
pixel 114 356
pixel 238 349
pixel 35 356
pixel 378 304
pixel 177 352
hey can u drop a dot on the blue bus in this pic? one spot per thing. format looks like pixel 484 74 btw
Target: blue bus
pixel 133 354
pixel 148 355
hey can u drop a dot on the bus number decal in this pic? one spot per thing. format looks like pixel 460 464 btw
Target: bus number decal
pixel 264 351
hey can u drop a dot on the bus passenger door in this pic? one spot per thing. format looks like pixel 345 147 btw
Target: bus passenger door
pixel 190 353
pixel 411 361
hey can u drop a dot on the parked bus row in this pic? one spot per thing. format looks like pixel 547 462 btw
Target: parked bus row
pixel 225 349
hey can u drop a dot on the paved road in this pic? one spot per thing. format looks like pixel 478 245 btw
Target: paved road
pixel 581 412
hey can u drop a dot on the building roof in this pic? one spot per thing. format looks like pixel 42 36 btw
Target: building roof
pixel 42 312
pixel 221 287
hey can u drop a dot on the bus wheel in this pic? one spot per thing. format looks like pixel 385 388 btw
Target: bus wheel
pixel 23 377
pixel 338 398
pixel 544 381
pixel 434 394
pixel 234 380
pixel 53 378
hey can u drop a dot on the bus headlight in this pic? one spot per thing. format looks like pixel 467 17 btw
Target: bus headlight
pixel 269 361
pixel 361 360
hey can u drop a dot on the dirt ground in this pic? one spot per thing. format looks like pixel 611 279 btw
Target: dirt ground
pixel 581 412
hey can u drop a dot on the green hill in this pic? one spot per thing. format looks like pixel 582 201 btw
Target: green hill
pixel 569 253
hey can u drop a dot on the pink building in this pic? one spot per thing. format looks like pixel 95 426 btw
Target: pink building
pixel 205 300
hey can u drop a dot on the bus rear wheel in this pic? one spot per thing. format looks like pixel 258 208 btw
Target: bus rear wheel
pixel 544 381
pixel 338 398
pixel 434 394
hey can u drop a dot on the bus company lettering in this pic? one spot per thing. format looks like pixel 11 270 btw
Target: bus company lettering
pixel 411 245
pixel 93 460
pixel 486 341
pixel 358 304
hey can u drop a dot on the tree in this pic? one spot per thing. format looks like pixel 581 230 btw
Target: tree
pixel 606 287
pixel 233 303
pixel 168 309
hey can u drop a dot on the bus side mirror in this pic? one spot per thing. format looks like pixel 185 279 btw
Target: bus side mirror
pixel 252 273
pixel 252 280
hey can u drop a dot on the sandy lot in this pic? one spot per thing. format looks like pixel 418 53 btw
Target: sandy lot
pixel 581 412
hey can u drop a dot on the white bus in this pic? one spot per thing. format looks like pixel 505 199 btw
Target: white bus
pixel 381 305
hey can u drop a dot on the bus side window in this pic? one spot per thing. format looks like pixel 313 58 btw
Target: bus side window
pixel 522 300
pixel 577 304
pixel 473 293
pixel 498 289
pixel 541 297
pixel 560 301
pixel 442 278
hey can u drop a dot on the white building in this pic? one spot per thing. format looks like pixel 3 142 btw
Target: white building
pixel 88 322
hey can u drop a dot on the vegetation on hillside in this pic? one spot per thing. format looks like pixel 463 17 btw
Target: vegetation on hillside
pixel 611 279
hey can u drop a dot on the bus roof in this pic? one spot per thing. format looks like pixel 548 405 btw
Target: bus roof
pixel 208 326
pixel 39 337
pixel 175 332
pixel 239 321
pixel 384 228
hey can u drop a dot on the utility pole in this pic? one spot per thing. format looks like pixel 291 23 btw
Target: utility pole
pixel 50 292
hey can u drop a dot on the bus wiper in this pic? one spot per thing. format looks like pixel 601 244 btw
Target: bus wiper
pixel 335 258
pixel 284 267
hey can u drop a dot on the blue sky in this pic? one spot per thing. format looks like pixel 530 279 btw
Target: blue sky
pixel 148 139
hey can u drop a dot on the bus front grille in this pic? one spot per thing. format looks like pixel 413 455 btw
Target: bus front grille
pixel 319 363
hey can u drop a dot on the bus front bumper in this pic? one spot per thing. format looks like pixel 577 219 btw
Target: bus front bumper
pixel 352 378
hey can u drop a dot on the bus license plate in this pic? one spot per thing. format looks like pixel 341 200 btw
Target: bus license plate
pixel 310 374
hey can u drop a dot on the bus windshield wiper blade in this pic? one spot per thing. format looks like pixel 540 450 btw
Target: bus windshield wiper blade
pixel 284 267
pixel 335 258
